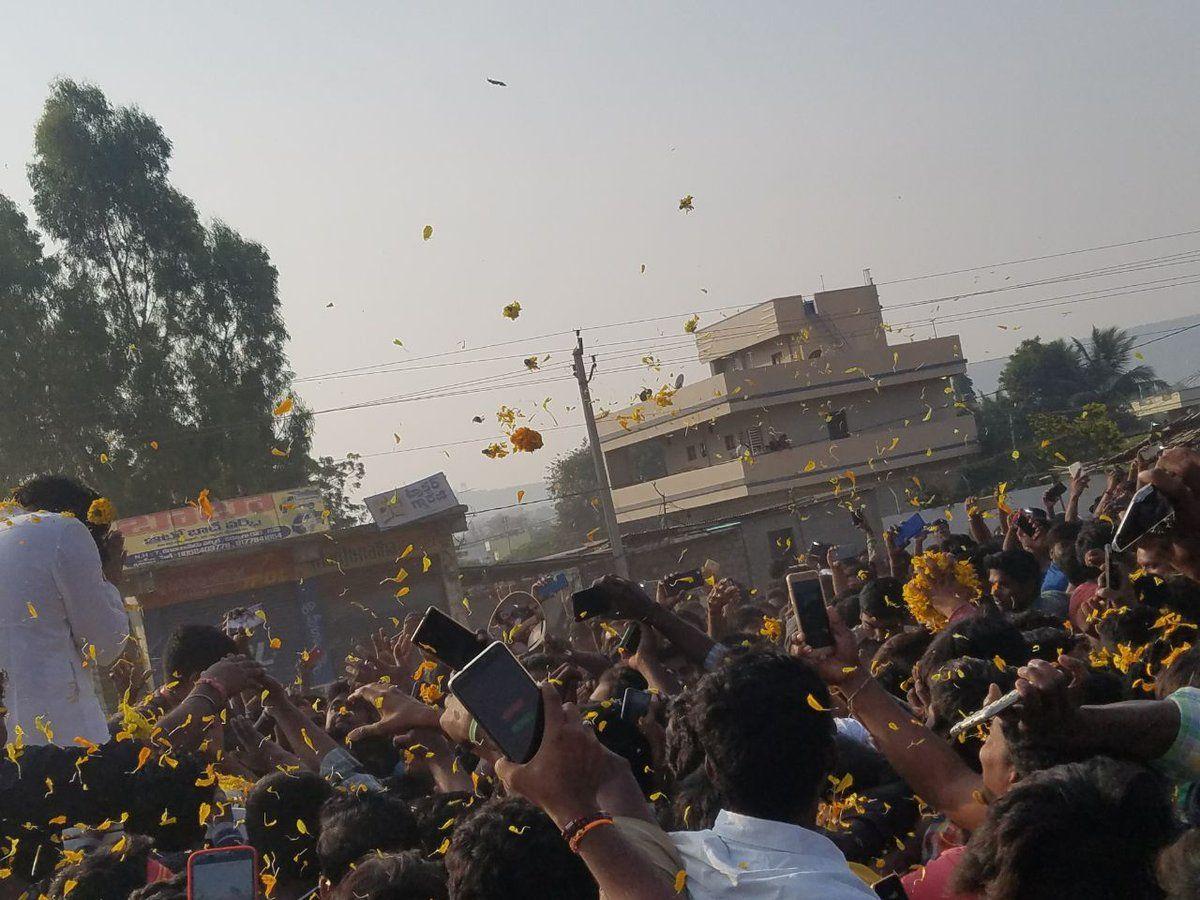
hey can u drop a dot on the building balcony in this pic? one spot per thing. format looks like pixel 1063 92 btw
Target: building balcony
pixel 867 455
pixel 800 381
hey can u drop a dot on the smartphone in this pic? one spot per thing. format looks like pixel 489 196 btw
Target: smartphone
pixel 630 640
pixel 684 581
pixel 226 873
pixel 548 589
pixel 1055 491
pixel 1113 576
pixel 504 699
pixel 890 888
pixel 804 589
pixel 988 712
pixel 447 640
pixel 634 704
pixel 1149 512
pixel 590 603
pixel 909 529
pixel 1025 523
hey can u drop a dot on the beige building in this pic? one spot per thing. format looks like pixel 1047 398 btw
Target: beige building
pixel 804 391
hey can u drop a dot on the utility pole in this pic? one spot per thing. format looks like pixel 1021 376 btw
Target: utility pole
pixel 610 514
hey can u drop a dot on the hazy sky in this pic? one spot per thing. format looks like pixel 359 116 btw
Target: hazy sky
pixel 817 139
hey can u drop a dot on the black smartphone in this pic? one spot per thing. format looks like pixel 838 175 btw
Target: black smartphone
pixel 447 640
pixel 590 603
pixel 504 699
pixel 634 704
pixel 226 873
pixel 804 590
pixel 1025 522
pixel 1114 575
pixel 630 640
pixel 1055 491
pixel 1149 512
pixel 890 888
pixel 684 581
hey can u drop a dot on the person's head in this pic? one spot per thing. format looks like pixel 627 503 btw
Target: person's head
pixel 276 808
pixel 174 888
pixel 344 713
pixel 62 494
pixel 1094 535
pixel 191 649
pixel 956 690
pixel 394 876
pixel 438 813
pixel 104 875
pixel 1081 830
pixel 986 635
pixel 1155 557
pixel 354 823
pixel 511 850
pixel 1015 577
pixel 847 608
pixel 959 546
pixel 615 680
pixel 1063 536
pixel 892 664
pixel 767 747
pixel 882 610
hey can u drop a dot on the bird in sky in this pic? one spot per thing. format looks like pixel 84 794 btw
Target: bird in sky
pixel 497 83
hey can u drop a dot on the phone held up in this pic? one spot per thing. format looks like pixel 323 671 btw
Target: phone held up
pixel 448 641
pixel 224 873
pixel 1149 512
pixel 590 603
pixel 504 699
pixel 804 590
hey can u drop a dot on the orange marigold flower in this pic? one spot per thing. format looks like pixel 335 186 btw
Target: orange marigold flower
pixel 526 440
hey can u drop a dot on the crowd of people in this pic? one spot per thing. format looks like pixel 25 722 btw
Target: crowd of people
pixel 761 765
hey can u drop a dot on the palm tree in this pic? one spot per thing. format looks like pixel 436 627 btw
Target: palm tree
pixel 1109 379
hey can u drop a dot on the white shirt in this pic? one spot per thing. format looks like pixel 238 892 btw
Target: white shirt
pixel 54 603
pixel 760 859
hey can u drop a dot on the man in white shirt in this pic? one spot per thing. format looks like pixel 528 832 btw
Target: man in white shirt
pixel 58 609
pixel 769 747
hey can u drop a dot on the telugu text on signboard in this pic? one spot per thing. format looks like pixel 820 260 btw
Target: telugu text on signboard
pixel 423 498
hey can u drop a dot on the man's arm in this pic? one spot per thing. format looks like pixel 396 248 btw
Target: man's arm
pixel 95 610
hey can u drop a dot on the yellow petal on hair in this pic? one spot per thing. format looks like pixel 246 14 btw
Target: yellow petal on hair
pixel 816 704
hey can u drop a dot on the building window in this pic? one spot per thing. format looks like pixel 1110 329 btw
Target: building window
pixel 776 358
pixel 691 452
pixel 782 543
pixel 756 439
pixel 838 428
pixel 704 450
pixel 730 442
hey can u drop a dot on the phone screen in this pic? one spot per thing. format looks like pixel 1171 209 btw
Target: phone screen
pixel 503 698
pixel 1148 512
pixel 447 640
pixel 804 589
pixel 590 603
pixel 631 639
pixel 227 874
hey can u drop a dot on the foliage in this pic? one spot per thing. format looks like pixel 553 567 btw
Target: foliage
pixel 1090 434
pixel 571 480
pixel 146 351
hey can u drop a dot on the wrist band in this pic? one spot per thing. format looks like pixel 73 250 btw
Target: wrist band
pixel 575 830
pixel 849 698
pixel 215 685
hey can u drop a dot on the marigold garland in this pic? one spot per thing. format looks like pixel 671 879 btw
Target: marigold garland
pixel 102 512
pixel 931 570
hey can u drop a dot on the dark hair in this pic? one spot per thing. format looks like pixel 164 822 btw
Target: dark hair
pixel 848 609
pixel 510 849
pixel 104 875
pixel 193 648
pixel 958 689
pixel 1047 642
pixel 399 876
pixel 1179 867
pixel 57 494
pixel 438 814
pixel 626 740
pixel 1081 830
pixel 174 888
pixel 273 807
pixel 1184 671
pixel 683 751
pixel 883 599
pixel 892 664
pixel 355 823
pixel 1019 565
pixel 959 545
pixel 1094 534
pixel 769 749
pixel 985 635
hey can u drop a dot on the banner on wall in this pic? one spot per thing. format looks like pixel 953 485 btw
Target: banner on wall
pixel 240 522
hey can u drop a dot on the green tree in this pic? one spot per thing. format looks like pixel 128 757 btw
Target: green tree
pixel 1042 376
pixel 1108 376
pixel 148 351
pixel 1088 435
pixel 571 480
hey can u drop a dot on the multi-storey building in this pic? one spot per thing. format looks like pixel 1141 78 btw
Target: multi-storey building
pixel 807 403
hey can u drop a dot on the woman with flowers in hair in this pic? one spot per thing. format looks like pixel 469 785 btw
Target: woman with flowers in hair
pixel 942 590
